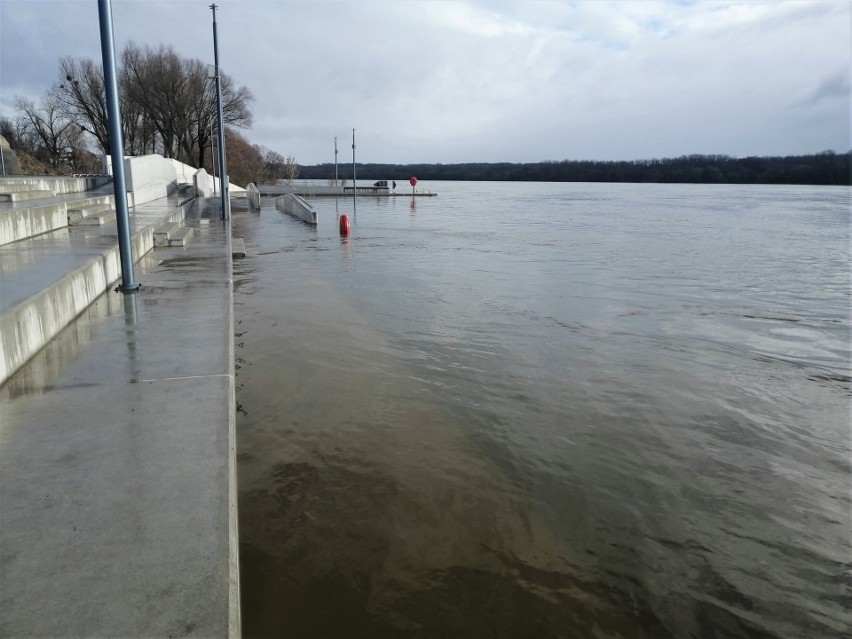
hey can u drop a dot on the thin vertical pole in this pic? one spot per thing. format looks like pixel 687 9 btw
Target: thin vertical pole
pixel 354 187
pixel 116 147
pixel 213 154
pixel 223 166
pixel 335 160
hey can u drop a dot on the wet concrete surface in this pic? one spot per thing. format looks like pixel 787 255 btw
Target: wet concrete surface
pixel 28 266
pixel 116 461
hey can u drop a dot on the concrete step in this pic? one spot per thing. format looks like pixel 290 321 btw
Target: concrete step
pixel 22 196
pixel 79 216
pixel 172 235
pixel 181 237
pixel 19 224
pixel 21 220
pixel 20 188
pixel 95 219
pixel 56 185
pixel 161 235
pixel 238 247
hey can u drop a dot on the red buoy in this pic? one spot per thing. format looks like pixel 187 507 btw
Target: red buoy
pixel 344 225
pixel 413 181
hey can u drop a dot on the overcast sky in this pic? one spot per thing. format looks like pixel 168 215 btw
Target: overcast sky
pixel 487 81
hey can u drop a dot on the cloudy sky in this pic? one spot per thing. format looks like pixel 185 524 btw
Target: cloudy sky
pixel 470 81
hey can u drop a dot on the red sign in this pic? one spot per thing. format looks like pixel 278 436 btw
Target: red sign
pixel 413 180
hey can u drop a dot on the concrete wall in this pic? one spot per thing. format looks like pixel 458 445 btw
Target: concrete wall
pixel 183 172
pixel 148 177
pixel 297 207
pixel 253 195
pixel 204 183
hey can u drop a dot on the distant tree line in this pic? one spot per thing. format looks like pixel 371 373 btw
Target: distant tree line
pixel 826 167
pixel 168 106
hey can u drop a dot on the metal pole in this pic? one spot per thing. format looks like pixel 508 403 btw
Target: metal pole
pixel 335 160
pixel 116 147
pixel 2 160
pixel 213 154
pixel 354 188
pixel 223 166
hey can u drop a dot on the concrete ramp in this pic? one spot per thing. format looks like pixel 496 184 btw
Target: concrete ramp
pixel 297 207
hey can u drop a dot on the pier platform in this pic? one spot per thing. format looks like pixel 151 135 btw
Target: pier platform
pixel 117 451
pixel 330 190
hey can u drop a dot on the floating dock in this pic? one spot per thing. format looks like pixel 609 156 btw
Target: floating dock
pixel 331 190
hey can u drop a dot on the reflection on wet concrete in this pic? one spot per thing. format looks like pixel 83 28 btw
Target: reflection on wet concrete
pixel 47 365
pixel 131 318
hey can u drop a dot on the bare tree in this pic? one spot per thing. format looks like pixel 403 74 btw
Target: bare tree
pixel 140 136
pixel 82 97
pixel 290 170
pixel 201 106
pixel 49 124
pixel 280 168
pixel 156 83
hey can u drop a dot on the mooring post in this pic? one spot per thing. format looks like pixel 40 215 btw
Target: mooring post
pixel 354 185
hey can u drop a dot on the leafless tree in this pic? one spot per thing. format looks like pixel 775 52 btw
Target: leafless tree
pixel 156 83
pixel 82 97
pixel 178 99
pixel 49 124
pixel 168 104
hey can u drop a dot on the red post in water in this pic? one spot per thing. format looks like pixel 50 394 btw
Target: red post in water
pixel 413 182
pixel 344 225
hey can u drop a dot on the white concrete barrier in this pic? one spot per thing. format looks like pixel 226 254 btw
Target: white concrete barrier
pixel 297 207
pixel 204 183
pixel 253 195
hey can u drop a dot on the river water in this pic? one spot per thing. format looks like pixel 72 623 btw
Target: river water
pixel 547 410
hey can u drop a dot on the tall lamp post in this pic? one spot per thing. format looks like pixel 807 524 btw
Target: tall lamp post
pixel 223 166
pixel 116 147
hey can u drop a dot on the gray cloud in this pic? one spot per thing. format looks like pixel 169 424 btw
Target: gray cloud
pixel 831 87
pixel 485 81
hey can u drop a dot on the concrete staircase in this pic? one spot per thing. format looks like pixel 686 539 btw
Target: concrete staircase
pixel 173 234
pixel 30 208
pixel 91 214
pixel 59 252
